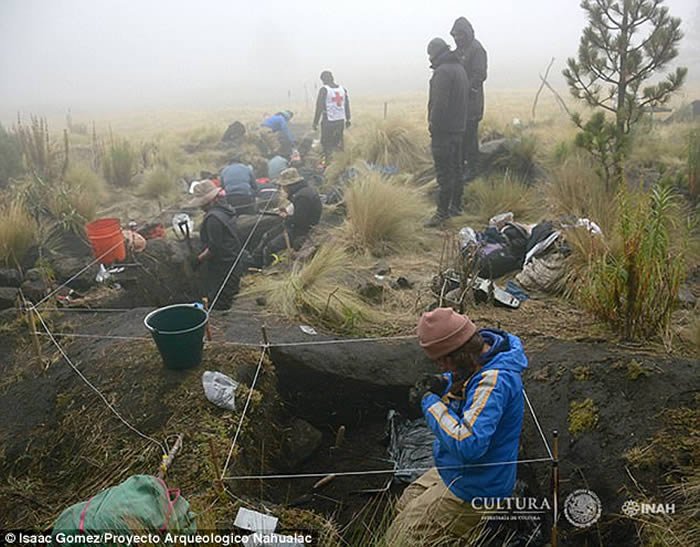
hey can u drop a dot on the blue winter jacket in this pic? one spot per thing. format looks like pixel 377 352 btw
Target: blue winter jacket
pixel 278 123
pixel 238 179
pixel 483 424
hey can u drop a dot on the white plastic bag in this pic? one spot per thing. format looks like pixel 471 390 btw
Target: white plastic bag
pixel 220 389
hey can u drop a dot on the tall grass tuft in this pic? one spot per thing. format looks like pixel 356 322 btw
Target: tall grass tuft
pixel 40 155
pixel 634 288
pixel 391 143
pixel 384 215
pixel 158 185
pixel 74 200
pixel 315 292
pixel 18 233
pixel 10 157
pixel 576 189
pixel 485 198
pixel 120 163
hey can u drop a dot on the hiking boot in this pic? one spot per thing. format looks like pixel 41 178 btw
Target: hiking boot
pixel 455 211
pixel 436 220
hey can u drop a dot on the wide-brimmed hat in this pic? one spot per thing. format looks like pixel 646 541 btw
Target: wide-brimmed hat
pixel 203 193
pixel 290 176
pixel 442 331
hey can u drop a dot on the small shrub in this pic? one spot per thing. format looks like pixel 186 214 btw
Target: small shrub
pixel 634 287
pixel 520 158
pixel 74 200
pixel 18 233
pixel 383 214
pixel 485 198
pixel 10 157
pixel 120 163
pixel 583 417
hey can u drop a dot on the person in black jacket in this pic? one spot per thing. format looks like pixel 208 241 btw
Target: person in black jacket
pixel 474 60
pixel 447 119
pixel 222 244
pixel 333 110
pixel 302 214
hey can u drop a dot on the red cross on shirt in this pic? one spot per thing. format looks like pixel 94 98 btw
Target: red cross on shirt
pixel 338 99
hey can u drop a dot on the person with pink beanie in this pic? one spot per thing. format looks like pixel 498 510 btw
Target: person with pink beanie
pixel 475 409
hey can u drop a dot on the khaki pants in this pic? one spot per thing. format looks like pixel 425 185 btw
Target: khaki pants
pixel 429 514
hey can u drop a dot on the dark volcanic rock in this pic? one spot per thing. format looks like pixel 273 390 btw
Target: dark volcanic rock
pixel 301 441
pixel 10 277
pixel 8 296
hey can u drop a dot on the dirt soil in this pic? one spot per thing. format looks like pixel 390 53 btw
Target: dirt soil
pixel 61 444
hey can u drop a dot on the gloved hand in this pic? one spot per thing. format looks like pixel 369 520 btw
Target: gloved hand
pixel 427 383
pixel 348 123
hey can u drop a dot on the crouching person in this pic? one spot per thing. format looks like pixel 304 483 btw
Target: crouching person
pixel 222 244
pixel 302 214
pixel 475 410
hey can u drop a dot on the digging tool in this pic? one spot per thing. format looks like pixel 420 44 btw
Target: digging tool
pixel 168 460
pixel 207 328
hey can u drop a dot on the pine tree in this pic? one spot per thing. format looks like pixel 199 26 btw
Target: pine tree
pixel 625 43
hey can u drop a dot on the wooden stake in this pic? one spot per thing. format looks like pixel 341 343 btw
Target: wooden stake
pixel 555 487
pixel 264 335
pixel 386 107
pixel 207 329
pixel 168 460
pixel 287 240
pixel 340 436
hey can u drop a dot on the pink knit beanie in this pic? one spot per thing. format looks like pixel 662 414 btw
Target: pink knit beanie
pixel 442 331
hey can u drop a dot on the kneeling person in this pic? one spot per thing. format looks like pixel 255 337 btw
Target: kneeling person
pixel 302 214
pixel 222 244
pixel 475 410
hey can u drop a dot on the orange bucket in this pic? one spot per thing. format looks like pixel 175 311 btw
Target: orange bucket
pixel 105 236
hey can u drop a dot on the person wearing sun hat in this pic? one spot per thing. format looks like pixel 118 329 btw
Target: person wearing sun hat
pixel 298 218
pixel 221 241
pixel 475 409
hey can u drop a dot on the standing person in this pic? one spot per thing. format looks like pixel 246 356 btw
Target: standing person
pixel 475 410
pixel 239 182
pixel 333 110
pixel 474 60
pixel 302 214
pixel 221 241
pixel 279 123
pixel 447 119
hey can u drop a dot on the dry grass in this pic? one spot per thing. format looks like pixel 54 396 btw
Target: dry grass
pixel 485 198
pixel 317 293
pixel 575 189
pixel 392 143
pixel 158 185
pixel 18 232
pixel 384 214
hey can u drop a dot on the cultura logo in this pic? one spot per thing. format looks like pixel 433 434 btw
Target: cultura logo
pixel 633 508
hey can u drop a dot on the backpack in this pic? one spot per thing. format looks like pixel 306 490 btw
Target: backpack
pixel 140 503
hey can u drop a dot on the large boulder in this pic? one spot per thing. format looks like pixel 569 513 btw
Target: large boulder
pixel 8 296
pixel 10 277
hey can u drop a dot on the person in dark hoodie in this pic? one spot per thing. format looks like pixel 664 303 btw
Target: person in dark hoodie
pixel 222 244
pixel 474 60
pixel 447 119
pixel 475 410
pixel 302 214
pixel 333 111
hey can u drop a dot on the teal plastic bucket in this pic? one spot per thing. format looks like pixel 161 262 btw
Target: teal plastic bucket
pixel 178 331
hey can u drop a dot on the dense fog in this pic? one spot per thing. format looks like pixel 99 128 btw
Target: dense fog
pixel 212 53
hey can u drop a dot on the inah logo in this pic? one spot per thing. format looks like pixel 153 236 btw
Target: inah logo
pixel 582 508
pixel 632 508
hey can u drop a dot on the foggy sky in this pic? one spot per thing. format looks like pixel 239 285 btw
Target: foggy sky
pixel 89 54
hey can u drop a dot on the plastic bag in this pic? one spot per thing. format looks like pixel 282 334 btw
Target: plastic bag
pixel 410 446
pixel 220 389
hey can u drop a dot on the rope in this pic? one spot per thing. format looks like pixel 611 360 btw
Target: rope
pixel 241 344
pixel 240 254
pixel 245 409
pixel 91 386
pixel 377 471
pixel 537 423
pixel 84 310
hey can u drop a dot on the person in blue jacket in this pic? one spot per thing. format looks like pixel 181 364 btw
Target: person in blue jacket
pixel 238 180
pixel 278 123
pixel 475 409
